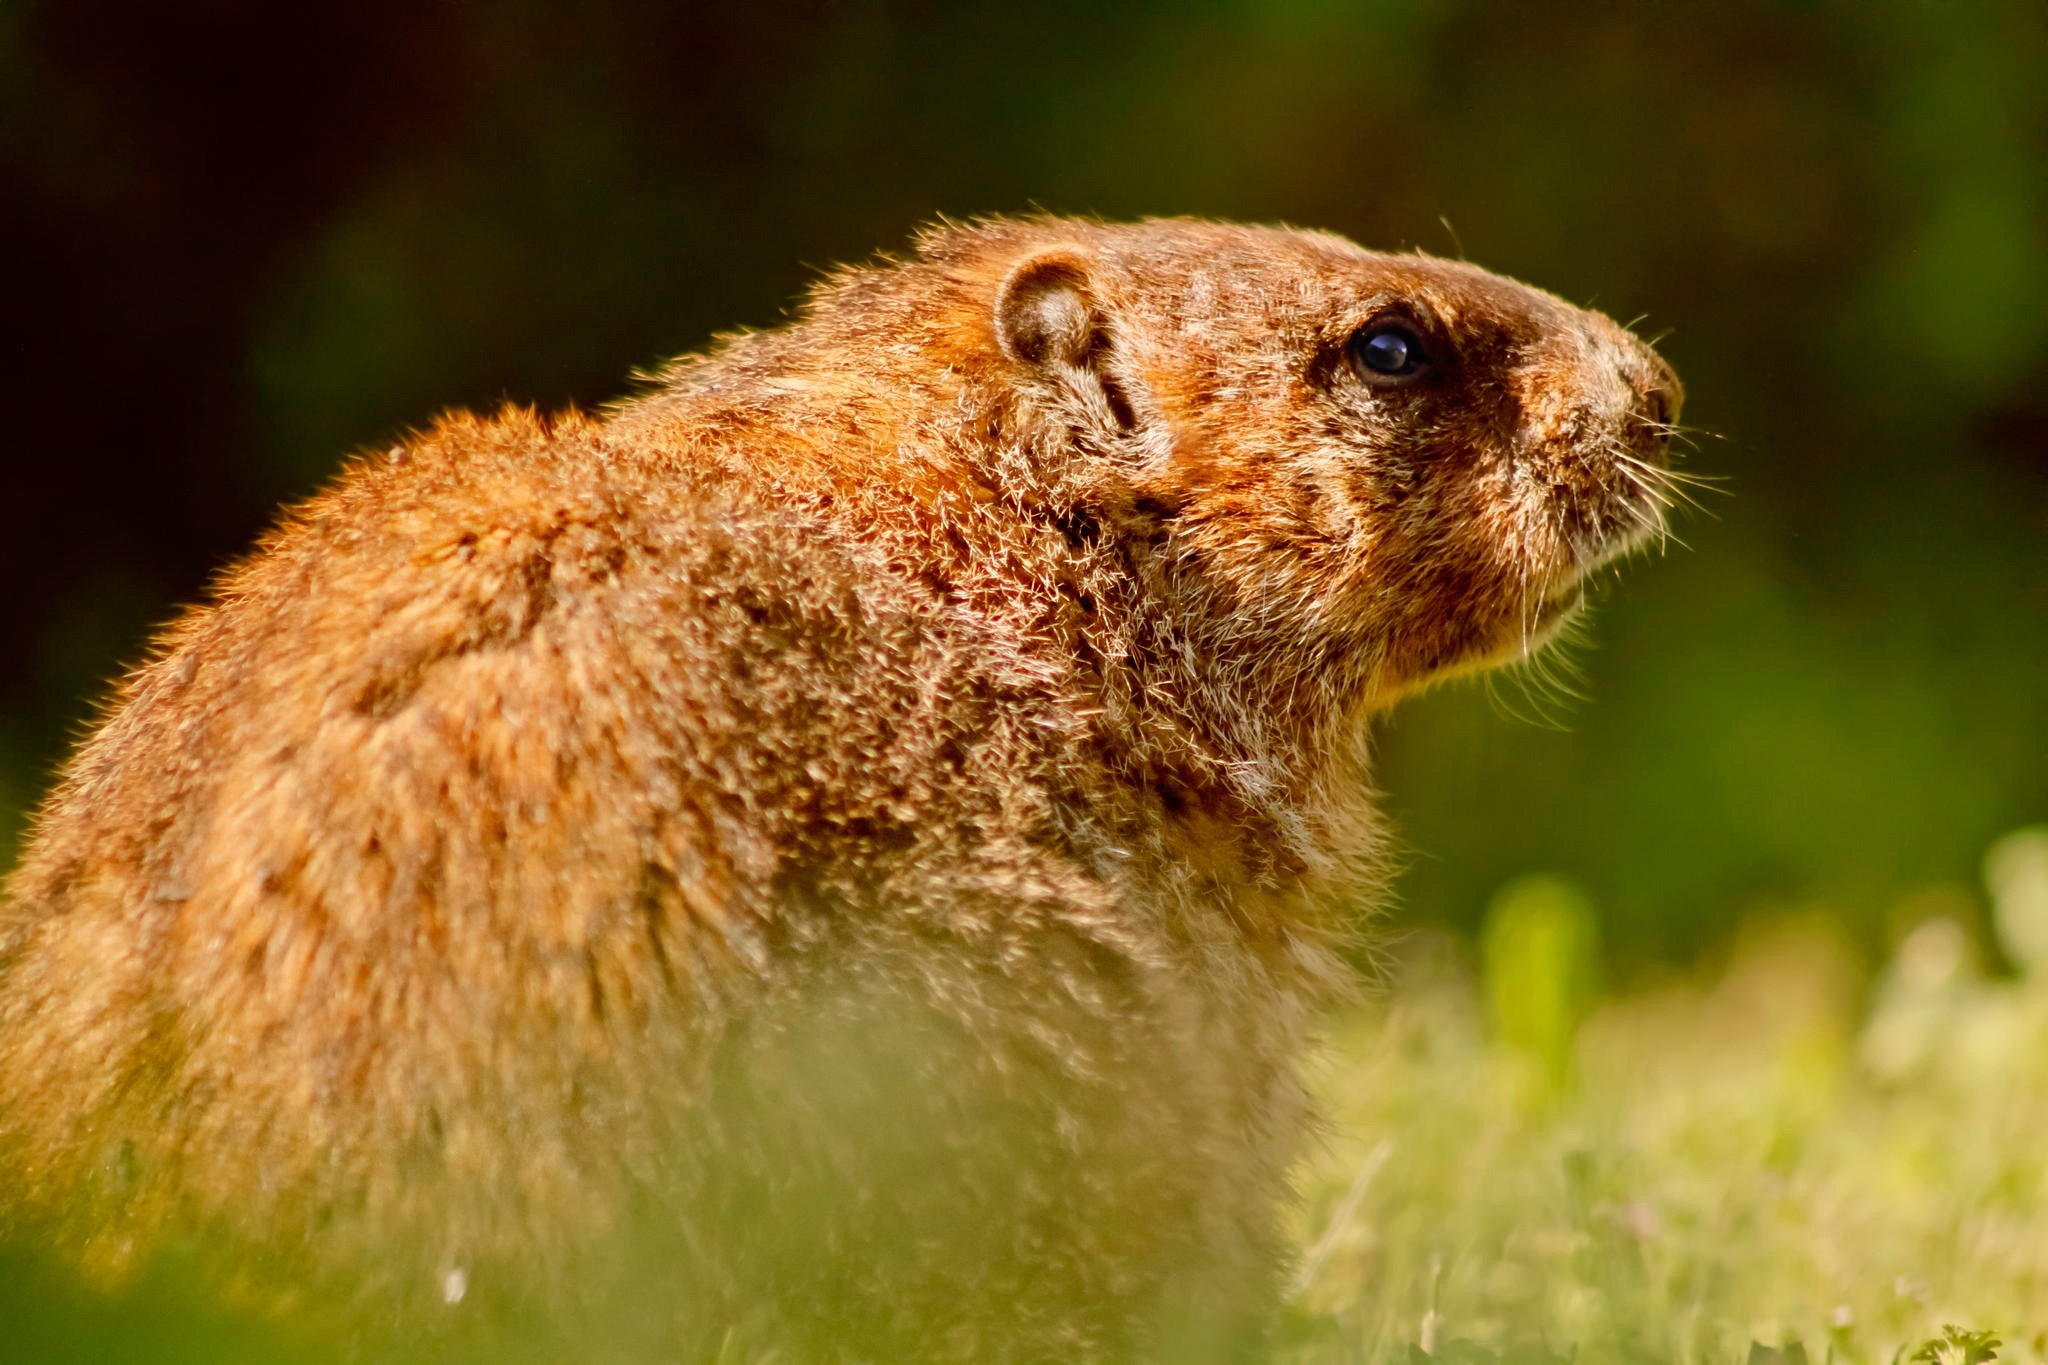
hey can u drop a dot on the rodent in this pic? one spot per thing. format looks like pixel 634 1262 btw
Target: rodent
pixel 851 839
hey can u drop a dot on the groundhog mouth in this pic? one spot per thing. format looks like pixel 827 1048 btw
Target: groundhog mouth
pixel 1560 604
pixel 1541 621
pixel 1640 522
pixel 1635 515
pixel 1531 622
pixel 1544 613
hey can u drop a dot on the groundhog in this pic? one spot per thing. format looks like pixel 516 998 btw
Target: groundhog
pixel 833 856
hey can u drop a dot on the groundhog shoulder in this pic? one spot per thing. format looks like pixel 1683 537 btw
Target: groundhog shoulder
pixel 546 717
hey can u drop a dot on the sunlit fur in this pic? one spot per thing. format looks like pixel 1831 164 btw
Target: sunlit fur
pixel 547 827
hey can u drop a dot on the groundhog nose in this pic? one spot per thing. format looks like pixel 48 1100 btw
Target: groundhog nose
pixel 1659 406
pixel 1663 386
pixel 1659 397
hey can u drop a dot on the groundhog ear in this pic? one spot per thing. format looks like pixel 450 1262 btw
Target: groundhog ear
pixel 1045 313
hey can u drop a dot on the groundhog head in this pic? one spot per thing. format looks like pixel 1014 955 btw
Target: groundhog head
pixel 1395 464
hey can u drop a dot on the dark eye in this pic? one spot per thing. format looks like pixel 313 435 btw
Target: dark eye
pixel 1388 352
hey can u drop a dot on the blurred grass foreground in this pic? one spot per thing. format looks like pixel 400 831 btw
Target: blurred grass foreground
pixel 1785 1157
pixel 1793 1155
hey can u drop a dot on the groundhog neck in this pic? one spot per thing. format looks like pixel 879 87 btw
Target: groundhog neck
pixel 1240 726
pixel 1246 725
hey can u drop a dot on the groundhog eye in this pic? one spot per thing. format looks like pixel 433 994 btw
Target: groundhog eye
pixel 1388 352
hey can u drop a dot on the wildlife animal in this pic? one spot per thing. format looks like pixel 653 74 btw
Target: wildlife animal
pixel 836 854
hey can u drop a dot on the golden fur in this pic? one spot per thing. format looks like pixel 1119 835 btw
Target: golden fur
pixel 871 818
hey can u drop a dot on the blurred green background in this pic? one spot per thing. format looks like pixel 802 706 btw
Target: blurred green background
pixel 241 247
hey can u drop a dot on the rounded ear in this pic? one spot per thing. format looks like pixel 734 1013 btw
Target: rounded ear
pixel 1045 314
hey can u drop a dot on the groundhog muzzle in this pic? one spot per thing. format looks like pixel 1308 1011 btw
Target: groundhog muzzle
pixel 837 853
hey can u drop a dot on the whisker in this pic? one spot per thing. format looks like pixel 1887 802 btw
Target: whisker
pixel 1656 528
pixel 1546 683
pixel 1675 483
pixel 1651 486
pixel 1711 483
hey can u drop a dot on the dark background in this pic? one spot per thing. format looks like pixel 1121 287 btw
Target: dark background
pixel 242 240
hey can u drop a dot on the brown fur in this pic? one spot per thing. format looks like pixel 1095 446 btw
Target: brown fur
pixel 871 817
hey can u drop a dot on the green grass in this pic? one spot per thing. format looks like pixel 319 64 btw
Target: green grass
pixel 1795 1154
pixel 1790 1154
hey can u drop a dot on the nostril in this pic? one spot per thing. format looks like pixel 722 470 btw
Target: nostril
pixel 1654 413
pixel 1657 403
pixel 1660 397
pixel 1665 394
